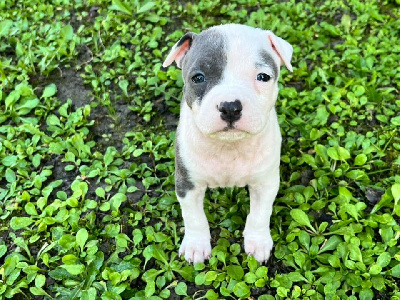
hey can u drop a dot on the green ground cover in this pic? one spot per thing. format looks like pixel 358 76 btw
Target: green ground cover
pixel 87 124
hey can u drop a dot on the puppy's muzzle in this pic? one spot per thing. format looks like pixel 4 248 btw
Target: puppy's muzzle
pixel 230 111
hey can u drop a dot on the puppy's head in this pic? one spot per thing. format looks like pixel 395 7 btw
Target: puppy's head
pixel 230 74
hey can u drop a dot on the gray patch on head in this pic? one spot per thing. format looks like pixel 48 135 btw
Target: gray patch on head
pixel 182 181
pixel 207 55
pixel 267 59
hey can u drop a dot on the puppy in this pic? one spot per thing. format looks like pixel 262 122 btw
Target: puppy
pixel 228 133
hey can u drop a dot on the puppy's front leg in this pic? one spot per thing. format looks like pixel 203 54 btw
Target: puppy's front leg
pixel 196 243
pixel 257 237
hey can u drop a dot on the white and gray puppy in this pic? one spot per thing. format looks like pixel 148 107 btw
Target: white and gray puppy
pixel 228 133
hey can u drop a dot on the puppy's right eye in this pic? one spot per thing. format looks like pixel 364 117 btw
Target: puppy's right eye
pixel 198 78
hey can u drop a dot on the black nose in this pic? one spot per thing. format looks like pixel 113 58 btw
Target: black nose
pixel 230 111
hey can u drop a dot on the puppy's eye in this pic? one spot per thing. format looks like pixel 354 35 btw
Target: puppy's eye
pixel 263 77
pixel 198 78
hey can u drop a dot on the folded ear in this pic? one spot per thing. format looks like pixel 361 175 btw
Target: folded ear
pixel 179 50
pixel 282 48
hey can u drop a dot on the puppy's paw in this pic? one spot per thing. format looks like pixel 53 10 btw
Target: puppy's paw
pixel 195 249
pixel 259 247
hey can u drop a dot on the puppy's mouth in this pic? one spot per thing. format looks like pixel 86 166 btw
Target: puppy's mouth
pixel 230 134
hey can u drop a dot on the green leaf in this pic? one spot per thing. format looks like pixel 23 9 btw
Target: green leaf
pixel 89 294
pixel 331 244
pixel 49 91
pixel 395 121
pixel 53 120
pixel 3 250
pixel 396 271
pixel 26 105
pixel 67 33
pixel 235 272
pixel 241 290
pixel 17 223
pixel 10 175
pixel 211 295
pixel 116 200
pixel 118 5
pixel 146 7
pixel 187 273
pixel 36 160
pixel 40 280
pixel 9 160
pixel 123 84
pixel 74 269
pixel 5 27
pixel 37 291
pixel 100 192
pixel 81 237
pixel 396 192
pixel 375 269
pixel 360 159
pixel 181 289
pixel 30 209
pixel 301 217
pixel 384 259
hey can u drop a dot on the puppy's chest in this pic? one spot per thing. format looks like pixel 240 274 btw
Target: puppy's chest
pixel 227 171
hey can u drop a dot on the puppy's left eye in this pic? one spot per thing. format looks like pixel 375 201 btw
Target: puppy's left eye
pixel 263 77
pixel 198 78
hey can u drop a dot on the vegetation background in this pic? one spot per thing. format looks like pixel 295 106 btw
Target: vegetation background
pixel 87 124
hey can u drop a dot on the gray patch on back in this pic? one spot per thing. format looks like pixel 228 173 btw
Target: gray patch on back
pixel 182 181
pixel 207 55
pixel 266 59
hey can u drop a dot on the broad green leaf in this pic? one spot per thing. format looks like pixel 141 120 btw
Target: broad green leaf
pixel 301 217
pixel 375 269
pixel 116 200
pixel 74 269
pixel 10 175
pixel 396 271
pixel 17 223
pixel 37 291
pixel 123 84
pixel 395 121
pixel 49 91
pixel 30 209
pixel 181 289
pixel 384 259
pixel 3 250
pixel 67 34
pixel 100 192
pixel 234 271
pixel 187 273
pixel 40 280
pixel 9 160
pixel 120 6
pixel 4 27
pixel 93 269
pixel 331 244
pixel 26 105
pixel 360 159
pixel 81 237
pixel 89 294
pixel 146 7
pixel 211 295
pixel 52 120
pixel 241 289
pixel 396 192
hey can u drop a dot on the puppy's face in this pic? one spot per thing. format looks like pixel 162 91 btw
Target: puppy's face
pixel 230 74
